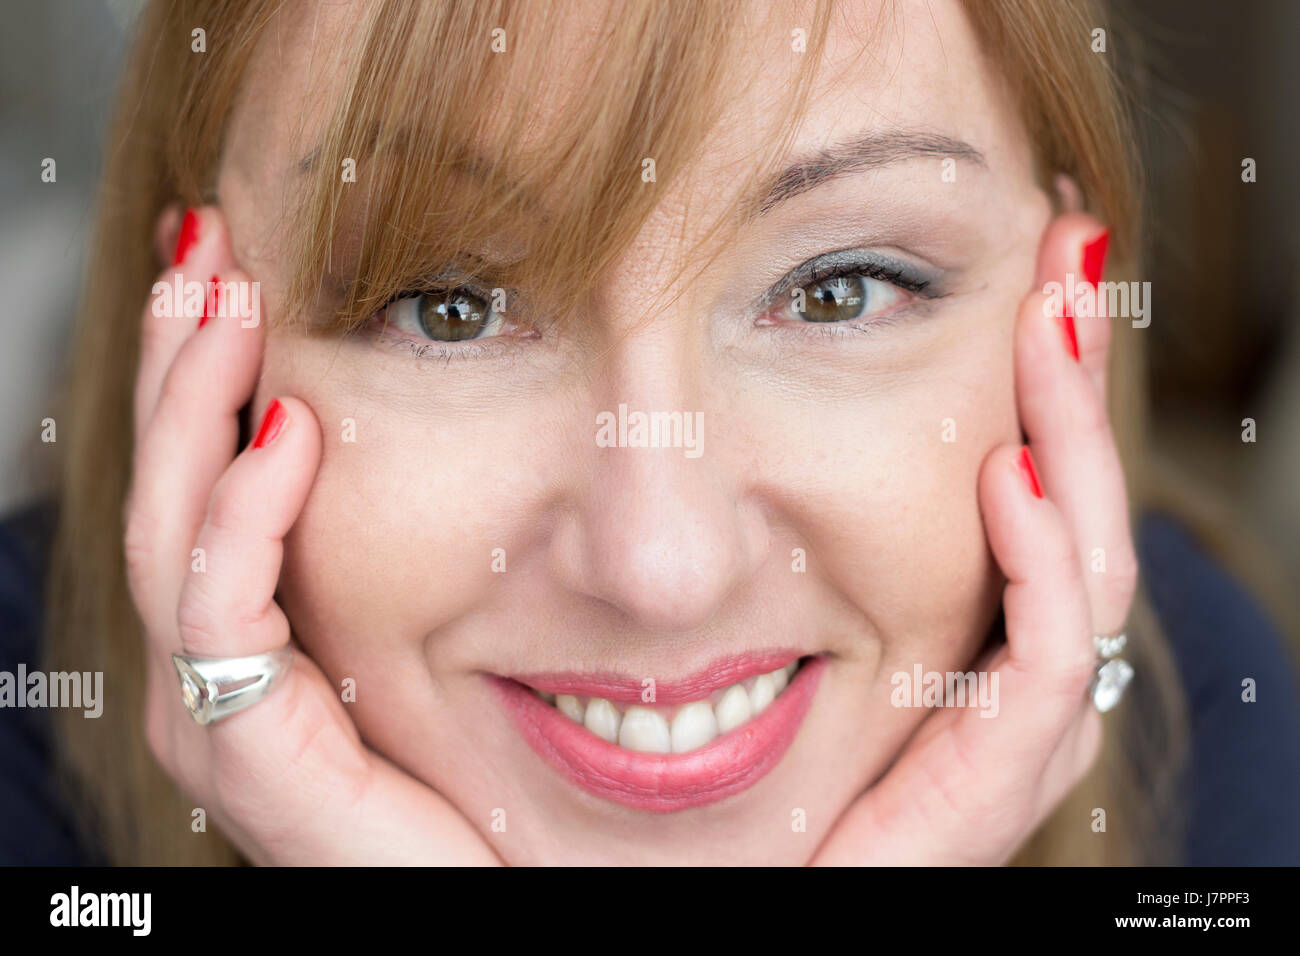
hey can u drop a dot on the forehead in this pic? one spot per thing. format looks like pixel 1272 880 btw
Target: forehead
pixel 887 64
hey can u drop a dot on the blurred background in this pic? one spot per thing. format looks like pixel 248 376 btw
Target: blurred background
pixel 1221 84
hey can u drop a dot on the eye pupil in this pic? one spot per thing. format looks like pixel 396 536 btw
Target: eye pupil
pixel 452 316
pixel 835 300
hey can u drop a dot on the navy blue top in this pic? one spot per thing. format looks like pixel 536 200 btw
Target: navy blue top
pixel 1241 786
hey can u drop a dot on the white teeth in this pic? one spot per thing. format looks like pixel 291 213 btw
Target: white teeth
pixel 569 706
pixel 693 727
pixel 675 730
pixel 602 719
pixel 734 709
pixel 644 730
pixel 763 693
pixel 779 679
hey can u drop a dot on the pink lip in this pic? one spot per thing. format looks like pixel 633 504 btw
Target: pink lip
pixel 663 783
pixel 626 690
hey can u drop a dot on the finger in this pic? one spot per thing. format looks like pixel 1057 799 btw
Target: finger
pixel 187 444
pixel 1072 254
pixel 200 251
pixel 167 247
pixel 300 732
pixel 229 610
pixel 1044 603
pixel 1042 673
pixel 1068 426
pixel 1074 756
pixel 1069 196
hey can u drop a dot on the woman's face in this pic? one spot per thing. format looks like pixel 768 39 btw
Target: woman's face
pixel 477 516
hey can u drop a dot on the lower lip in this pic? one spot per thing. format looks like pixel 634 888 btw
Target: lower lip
pixel 664 783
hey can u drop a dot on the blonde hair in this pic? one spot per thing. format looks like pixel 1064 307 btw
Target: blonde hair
pixel 411 113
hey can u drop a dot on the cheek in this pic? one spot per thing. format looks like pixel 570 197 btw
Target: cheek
pixel 888 492
pixel 382 535
pixel 400 536
pixel 396 537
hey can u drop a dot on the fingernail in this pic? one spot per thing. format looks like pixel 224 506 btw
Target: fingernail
pixel 1025 465
pixel 1094 258
pixel 1067 329
pixel 213 301
pixel 272 424
pixel 189 235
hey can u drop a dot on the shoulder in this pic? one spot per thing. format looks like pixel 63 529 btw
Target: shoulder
pixel 1242 698
pixel 24 552
pixel 34 828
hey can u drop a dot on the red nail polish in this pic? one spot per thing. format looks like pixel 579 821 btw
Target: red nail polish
pixel 1067 327
pixel 272 424
pixel 1094 257
pixel 188 237
pixel 1025 465
pixel 213 301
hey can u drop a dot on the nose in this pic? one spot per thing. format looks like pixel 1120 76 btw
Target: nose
pixel 663 535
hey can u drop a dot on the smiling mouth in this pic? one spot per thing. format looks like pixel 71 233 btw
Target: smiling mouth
pixel 674 728
pixel 686 744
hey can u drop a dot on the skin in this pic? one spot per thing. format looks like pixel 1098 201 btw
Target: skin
pixel 639 561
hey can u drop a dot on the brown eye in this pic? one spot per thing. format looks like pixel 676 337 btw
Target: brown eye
pixel 833 300
pixel 452 316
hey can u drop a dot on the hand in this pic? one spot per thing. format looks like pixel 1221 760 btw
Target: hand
pixel 970 790
pixel 288 780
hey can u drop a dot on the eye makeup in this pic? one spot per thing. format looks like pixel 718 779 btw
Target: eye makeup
pixel 850 262
pixel 922 282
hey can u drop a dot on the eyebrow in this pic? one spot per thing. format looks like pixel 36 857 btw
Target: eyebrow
pixel 870 150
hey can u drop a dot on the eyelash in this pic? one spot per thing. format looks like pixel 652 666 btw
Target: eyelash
pixel 810 273
pixel 445 353
pixel 869 270
pixel 425 349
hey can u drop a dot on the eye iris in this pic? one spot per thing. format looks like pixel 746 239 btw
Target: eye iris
pixel 452 316
pixel 835 300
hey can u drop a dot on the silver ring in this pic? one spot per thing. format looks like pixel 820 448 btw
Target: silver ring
pixel 216 687
pixel 1113 673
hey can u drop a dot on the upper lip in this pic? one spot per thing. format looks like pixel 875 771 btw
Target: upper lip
pixel 624 688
